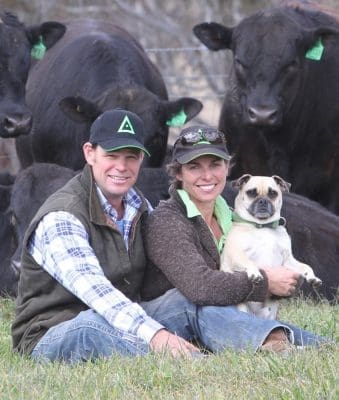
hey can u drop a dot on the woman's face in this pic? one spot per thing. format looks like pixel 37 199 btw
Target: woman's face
pixel 204 178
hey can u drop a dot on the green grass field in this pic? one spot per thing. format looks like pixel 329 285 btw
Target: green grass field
pixel 308 374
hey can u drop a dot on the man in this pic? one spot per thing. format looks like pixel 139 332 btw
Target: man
pixel 83 259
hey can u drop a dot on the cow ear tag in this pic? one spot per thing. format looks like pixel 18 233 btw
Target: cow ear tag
pixel 38 50
pixel 178 119
pixel 315 52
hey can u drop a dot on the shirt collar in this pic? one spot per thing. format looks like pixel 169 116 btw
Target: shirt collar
pixel 222 212
pixel 131 199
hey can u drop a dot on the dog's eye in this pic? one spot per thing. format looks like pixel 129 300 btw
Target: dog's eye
pixel 252 193
pixel 272 194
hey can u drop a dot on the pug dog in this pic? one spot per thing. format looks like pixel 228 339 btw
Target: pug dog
pixel 258 237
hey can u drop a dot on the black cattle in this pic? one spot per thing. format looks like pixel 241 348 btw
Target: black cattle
pixel 8 276
pixel 99 61
pixel 16 43
pixel 154 183
pixel 31 188
pixel 6 182
pixel 281 110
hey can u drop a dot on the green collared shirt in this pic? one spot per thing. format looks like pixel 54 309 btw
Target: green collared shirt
pixel 221 211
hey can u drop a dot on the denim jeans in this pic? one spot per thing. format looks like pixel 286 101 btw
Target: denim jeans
pixel 89 336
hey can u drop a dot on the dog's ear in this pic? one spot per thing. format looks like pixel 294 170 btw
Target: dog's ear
pixel 241 181
pixel 284 186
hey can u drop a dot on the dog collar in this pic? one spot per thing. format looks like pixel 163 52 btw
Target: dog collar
pixel 274 224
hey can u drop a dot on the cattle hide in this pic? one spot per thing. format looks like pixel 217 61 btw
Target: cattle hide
pixel 32 186
pixel 16 43
pixel 103 63
pixel 154 183
pixel 8 277
pixel 281 110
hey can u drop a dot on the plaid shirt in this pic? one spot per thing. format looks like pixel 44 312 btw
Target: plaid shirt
pixel 60 244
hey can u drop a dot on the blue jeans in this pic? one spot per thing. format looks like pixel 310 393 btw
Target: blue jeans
pixel 89 336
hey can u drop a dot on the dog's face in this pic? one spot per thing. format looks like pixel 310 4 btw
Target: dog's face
pixel 260 197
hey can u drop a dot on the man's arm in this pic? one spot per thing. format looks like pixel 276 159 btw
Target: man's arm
pixel 61 246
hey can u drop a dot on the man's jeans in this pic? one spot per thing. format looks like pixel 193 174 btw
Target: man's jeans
pixel 89 336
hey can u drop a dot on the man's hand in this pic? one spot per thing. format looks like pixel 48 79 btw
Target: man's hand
pixel 164 341
pixel 282 281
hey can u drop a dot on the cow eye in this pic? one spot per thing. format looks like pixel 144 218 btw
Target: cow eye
pixel 240 70
pixel 290 69
pixel 272 194
pixel 252 193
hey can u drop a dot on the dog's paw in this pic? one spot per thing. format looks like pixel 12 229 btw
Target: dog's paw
pixel 311 278
pixel 315 282
pixel 254 275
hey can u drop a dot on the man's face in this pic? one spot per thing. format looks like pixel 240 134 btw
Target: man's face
pixel 114 172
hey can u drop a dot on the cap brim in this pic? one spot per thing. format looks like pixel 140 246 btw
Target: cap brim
pixel 195 153
pixel 123 143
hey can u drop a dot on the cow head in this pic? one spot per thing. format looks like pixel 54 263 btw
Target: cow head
pixel 157 114
pixel 16 43
pixel 272 59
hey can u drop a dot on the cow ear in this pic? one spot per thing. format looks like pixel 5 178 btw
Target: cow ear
pixel 214 36
pixel 314 42
pixel 178 112
pixel 48 33
pixel 79 109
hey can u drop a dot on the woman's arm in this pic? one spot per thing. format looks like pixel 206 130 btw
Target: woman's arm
pixel 172 245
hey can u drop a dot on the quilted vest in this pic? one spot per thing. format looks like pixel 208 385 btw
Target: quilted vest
pixel 42 302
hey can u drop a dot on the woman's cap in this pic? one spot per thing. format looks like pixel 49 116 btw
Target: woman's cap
pixel 199 140
pixel 117 129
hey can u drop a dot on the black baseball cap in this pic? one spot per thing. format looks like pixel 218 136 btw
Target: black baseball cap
pixel 199 140
pixel 117 129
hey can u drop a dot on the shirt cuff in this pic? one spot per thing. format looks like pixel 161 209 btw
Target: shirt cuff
pixel 148 329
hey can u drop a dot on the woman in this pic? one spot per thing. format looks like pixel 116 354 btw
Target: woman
pixel 184 238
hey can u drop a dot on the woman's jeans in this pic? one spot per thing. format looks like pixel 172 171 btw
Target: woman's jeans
pixel 89 336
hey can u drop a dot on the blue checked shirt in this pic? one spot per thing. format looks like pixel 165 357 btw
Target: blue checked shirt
pixel 60 244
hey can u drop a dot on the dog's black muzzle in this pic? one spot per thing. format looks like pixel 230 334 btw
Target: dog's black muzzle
pixel 262 208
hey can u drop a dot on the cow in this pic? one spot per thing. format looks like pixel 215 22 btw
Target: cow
pixel 280 113
pixel 102 62
pixel 16 44
pixel 31 188
pixel 6 183
pixel 8 277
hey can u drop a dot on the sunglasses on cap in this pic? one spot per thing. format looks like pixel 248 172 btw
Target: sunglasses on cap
pixel 193 137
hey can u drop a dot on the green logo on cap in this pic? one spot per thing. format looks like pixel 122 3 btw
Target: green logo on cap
pixel 126 126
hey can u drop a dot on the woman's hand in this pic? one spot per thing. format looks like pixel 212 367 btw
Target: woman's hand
pixel 282 281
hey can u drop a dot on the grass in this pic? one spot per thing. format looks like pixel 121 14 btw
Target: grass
pixel 310 374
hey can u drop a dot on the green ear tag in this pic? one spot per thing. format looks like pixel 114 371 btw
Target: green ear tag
pixel 315 52
pixel 38 50
pixel 178 119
